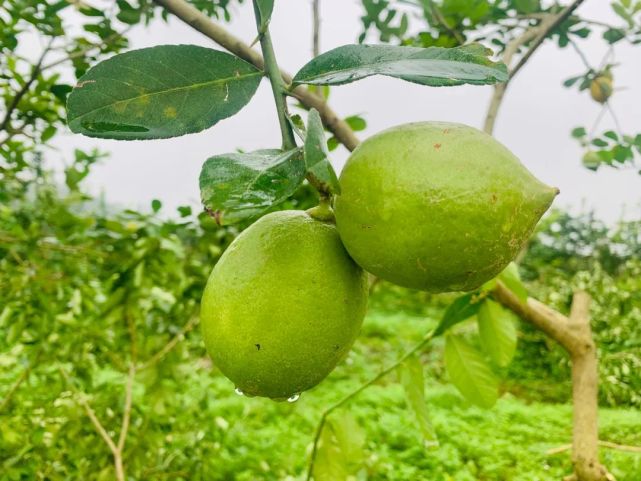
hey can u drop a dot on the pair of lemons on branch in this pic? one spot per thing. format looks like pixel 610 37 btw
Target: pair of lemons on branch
pixel 433 206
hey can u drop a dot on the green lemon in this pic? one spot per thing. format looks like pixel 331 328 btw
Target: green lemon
pixel 437 206
pixel 601 88
pixel 283 305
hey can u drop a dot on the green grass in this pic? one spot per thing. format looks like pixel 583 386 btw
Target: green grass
pixel 255 439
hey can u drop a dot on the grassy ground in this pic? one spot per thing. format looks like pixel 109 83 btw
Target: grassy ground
pixel 254 439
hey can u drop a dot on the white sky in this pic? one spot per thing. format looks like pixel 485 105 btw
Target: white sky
pixel 535 120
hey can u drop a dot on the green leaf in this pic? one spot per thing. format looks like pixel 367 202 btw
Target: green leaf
pixel 356 123
pixel 611 134
pixel 613 35
pixel 434 66
pixel 498 332
pixel 237 186
pixel 317 154
pixel 579 132
pixel 411 374
pixel 265 9
pixel 512 280
pixel 461 309
pixel 571 81
pixel 340 450
pixel 469 372
pixel 527 6
pixel 160 92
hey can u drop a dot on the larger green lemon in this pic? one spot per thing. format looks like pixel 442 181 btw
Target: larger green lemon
pixel 283 305
pixel 437 206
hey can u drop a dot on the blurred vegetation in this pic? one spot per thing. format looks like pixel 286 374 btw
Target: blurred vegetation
pixel 86 290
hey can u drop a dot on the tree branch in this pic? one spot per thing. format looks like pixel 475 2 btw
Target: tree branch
pixel 126 416
pixel 552 323
pixel 537 35
pixel 604 444
pixel 91 414
pixel 315 28
pixel 199 21
pixel 169 346
pixel 18 382
pixel 35 71
pixel 547 26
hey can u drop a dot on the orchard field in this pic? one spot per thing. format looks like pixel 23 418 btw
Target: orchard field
pixel 502 335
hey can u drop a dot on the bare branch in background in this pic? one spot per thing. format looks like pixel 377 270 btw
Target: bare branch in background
pixel 315 28
pixel 536 34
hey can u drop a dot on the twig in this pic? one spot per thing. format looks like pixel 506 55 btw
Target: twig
pixel 169 346
pixel 18 382
pixel 545 28
pixel 126 417
pixel 605 444
pixel 319 430
pixel 35 71
pixel 199 21
pixel 91 414
pixel 315 28
pixel 537 35
pixel 81 53
pixel 581 54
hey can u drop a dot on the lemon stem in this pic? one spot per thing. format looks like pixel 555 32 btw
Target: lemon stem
pixel 323 211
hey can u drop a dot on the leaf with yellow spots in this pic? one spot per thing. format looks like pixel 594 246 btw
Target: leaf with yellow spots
pixel 160 92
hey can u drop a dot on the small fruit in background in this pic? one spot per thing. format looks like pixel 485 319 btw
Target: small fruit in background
pixel 591 160
pixel 601 87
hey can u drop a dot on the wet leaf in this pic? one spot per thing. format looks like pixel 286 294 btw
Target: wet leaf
pixel 413 380
pixel 237 186
pixel 160 92
pixel 461 309
pixel 434 66
pixel 317 154
pixel 469 372
pixel 497 328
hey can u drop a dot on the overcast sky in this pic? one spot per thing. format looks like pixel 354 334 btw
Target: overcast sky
pixel 534 122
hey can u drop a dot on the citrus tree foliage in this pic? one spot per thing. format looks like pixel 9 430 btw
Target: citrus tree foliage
pixel 502 23
pixel 580 252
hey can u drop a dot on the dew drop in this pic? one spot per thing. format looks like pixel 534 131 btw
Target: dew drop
pixel 293 398
pixel 239 391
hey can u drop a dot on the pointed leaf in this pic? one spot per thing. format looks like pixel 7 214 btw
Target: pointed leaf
pixel 265 9
pixel 497 328
pixel 461 309
pixel 411 373
pixel 512 280
pixel 469 372
pixel 160 92
pixel 434 66
pixel 317 154
pixel 340 451
pixel 238 186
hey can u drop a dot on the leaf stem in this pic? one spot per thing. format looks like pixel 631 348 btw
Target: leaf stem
pixel 321 424
pixel 276 80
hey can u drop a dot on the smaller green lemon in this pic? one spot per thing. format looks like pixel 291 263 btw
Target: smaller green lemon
pixel 283 305
pixel 601 88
